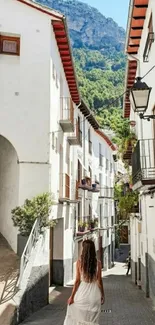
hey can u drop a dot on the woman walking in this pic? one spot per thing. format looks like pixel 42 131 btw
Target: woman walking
pixel 84 305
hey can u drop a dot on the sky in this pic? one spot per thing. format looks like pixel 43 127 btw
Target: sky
pixel 116 9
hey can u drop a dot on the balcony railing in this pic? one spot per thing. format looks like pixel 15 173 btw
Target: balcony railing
pixel 149 41
pixel 85 184
pixel 66 114
pixel 143 163
pixel 106 192
pixel 64 188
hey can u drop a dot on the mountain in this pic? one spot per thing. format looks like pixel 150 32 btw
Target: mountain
pixel 98 44
pixel 88 27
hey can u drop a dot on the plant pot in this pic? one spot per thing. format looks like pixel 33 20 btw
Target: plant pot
pixel 92 225
pixel 21 243
pixel 83 181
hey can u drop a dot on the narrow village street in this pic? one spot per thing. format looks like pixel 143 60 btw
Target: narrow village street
pixel 77 162
pixel 125 303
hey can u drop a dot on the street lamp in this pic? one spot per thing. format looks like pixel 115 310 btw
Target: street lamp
pixel 139 96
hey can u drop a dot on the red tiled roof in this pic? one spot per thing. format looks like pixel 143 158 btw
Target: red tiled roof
pixel 63 42
pixel 105 137
pixel 133 42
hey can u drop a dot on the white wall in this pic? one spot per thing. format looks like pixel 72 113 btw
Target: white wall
pixel 25 91
pixel 9 190
pixel 145 128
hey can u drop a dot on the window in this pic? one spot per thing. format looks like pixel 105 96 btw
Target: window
pixel 111 167
pixel 79 131
pixel 9 45
pixel 101 214
pixel 101 185
pixel 89 142
pixel 90 212
pixel 57 81
pixel 56 145
pixel 90 173
pixel 112 220
pixel 149 41
pixel 79 209
pixel 79 171
pixel 106 209
pixel 54 72
pixel 53 139
pixel 100 155
pixel 107 164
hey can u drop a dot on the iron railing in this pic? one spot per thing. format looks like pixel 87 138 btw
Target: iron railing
pixel 143 162
pixel 32 240
pixel 67 109
pixel 107 192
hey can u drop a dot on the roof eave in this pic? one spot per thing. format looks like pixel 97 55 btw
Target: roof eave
pixel 89 115
pixel 128 24
pixel 69 44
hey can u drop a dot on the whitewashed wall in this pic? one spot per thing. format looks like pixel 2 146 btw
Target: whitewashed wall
pixel 25 99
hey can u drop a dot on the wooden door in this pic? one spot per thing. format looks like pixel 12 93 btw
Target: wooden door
pixel 124 235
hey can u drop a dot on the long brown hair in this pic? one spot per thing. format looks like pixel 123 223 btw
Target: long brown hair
pixel 88 260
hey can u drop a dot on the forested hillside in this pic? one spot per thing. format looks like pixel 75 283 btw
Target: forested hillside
pixel 98 44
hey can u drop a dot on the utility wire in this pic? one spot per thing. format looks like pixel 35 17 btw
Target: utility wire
pixel 111 102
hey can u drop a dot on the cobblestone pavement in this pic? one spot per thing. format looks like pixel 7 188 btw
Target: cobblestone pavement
pixel 127 304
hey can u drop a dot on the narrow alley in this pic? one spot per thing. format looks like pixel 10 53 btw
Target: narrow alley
pixel 125 303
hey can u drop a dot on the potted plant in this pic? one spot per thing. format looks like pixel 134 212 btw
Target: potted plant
pixel 92 224
pixel 24 217
pixel 81 226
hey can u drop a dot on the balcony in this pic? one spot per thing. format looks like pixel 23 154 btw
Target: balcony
pixel 106 193
pixel 87 224
pixel 85 184
pixel 143 164
pixel 95 188
pixel 66 114
pixel 76 138
pixel 64 188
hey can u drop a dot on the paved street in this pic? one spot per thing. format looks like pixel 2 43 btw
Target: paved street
pixel 127 303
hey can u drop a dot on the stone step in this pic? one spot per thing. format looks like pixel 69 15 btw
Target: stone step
pixel 9 271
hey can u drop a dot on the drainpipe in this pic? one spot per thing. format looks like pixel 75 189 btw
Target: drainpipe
pixel 129 23
pixel 74 164
pixel 84 159
pixel 146 254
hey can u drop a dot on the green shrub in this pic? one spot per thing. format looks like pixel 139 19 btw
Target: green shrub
pixel 38 207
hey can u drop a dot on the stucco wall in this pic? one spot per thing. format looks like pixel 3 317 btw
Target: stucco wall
pixel 9 190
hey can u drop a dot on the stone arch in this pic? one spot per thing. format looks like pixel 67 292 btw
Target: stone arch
pixel 9 190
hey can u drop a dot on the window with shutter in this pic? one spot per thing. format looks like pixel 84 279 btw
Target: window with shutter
pixel 9 45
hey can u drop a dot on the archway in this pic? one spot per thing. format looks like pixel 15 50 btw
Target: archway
pixel 9 188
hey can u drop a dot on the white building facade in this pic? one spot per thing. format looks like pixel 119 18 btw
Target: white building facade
pixel 140 47
pixel 49 140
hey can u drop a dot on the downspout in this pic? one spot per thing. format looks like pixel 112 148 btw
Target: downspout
pixel 131 5
pixel 84 160
pixel 146 254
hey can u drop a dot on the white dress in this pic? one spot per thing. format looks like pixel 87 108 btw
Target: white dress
pixel 86 308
